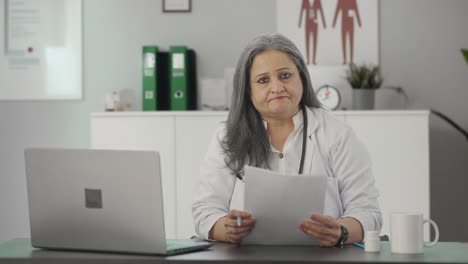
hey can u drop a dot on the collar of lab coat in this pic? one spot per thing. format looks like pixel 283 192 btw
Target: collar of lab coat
pixel 313 122
pixel 313 158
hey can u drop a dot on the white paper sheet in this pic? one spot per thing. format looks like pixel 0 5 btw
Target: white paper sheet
pixel 279 203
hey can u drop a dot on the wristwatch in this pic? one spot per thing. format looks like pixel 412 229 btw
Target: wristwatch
pixel 343 237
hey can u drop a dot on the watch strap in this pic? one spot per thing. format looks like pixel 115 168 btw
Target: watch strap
pixel 343 237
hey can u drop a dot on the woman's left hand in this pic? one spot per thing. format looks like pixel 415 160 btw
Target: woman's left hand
pixel 326 230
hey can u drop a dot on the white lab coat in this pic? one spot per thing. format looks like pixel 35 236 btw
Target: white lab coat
pixel 333 150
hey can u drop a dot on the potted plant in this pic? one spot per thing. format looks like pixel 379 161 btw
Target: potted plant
pixel 364 79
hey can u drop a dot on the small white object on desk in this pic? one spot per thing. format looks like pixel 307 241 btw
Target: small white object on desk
pixel 372 241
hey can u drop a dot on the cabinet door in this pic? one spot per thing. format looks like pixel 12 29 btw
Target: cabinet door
pixel 143 133
pixel 194 133
pixel 398 145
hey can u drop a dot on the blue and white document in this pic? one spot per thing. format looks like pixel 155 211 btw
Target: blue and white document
pixel 279 203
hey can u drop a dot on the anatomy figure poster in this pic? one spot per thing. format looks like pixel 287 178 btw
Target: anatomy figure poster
pixel 331 32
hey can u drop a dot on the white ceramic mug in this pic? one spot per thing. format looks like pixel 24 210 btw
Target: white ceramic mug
pixel 407 233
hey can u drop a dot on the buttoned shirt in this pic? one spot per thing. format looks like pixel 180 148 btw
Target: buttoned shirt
pixel 288 160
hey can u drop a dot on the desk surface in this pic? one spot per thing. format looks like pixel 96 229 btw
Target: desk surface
pixel 20 251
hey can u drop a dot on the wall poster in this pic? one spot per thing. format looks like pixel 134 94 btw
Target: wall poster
pixel 40 49
pixel 331 32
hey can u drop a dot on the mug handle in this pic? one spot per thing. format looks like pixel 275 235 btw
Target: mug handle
pixel 436 229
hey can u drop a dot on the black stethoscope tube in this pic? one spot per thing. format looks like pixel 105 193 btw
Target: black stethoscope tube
pixel 304 138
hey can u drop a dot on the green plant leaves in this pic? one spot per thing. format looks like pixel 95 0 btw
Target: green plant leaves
pixel 364 76
pixel 465 54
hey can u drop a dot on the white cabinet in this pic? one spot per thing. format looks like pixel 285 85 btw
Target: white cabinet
pixel 130 131
pixel 193 135
pixel 398 142
pixel 180 158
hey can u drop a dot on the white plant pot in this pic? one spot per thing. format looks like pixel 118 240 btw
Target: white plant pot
pixel 363 99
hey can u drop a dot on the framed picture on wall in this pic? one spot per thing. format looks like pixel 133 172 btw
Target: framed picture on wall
pixel 177 6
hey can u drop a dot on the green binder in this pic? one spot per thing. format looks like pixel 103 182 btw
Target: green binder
pixel 178 78
pixel 150 78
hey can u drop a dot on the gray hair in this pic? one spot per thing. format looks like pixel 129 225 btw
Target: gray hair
pixel 246 140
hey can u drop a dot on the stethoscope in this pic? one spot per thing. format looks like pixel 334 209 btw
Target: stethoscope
pixel 304 138
pixel 304 144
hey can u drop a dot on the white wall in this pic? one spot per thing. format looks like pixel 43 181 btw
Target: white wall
pixel 420 50
pixel 114 31
pixel 420 42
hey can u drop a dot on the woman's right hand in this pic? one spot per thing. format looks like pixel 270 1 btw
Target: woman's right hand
pixel 227 229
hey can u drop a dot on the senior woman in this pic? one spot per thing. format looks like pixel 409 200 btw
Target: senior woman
pixel 276 122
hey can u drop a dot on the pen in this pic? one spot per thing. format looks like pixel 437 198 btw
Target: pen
pixel 239 220
pixel 359 245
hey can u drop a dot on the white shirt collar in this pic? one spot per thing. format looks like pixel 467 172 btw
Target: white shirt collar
pixel 298 120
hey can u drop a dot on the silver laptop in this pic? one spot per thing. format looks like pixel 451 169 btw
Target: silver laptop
pixel 99 200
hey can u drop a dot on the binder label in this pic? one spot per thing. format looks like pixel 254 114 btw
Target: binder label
pixel 148 72
pixel 149 95
pixel 150 78
pixel 178 61
pixel 178 81
pixel 149 60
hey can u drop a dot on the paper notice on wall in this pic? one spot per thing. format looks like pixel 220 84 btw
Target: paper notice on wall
pixel 40 49
pixel 30 26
